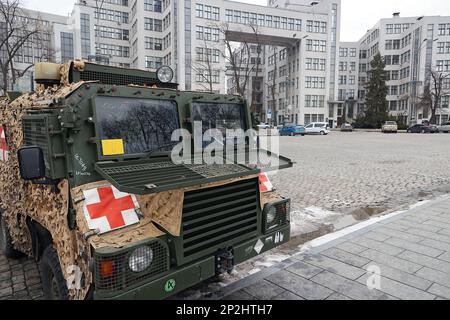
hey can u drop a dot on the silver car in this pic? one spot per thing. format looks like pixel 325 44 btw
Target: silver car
pixel 444 127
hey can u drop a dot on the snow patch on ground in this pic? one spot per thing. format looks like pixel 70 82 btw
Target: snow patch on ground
pixel 311 218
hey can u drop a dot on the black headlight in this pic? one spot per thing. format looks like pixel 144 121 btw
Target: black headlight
pixel 276 214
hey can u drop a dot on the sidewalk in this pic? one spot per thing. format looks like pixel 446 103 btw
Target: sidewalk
pixel 411 250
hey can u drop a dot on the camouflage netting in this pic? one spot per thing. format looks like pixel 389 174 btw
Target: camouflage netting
pixel 45 204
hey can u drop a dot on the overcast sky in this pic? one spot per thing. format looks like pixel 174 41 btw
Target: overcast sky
pixel 357 15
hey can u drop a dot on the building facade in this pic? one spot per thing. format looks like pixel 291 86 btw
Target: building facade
pixel 412 48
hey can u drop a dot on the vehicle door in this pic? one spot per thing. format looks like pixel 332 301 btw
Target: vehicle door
pixel 309 128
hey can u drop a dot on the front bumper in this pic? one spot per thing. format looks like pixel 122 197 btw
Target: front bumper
pixel 185 277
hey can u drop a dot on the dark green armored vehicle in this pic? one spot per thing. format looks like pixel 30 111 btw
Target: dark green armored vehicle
pixel 90 189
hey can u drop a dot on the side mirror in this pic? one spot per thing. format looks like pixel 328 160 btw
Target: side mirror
pixel 31 163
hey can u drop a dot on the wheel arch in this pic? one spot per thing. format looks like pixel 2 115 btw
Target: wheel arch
pixel 41 238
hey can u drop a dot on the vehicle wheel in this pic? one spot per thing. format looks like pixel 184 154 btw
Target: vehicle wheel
pixel 322 133
pixel 423 131
pixel 6 245
pixel 303 135
pixel 53 283
pixel 292 134
pixel 408 131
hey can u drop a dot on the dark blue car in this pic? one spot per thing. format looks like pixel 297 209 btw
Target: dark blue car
pixel 292 130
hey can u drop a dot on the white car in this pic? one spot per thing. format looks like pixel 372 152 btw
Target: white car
pixel 263 126
pixel 321 128
pixel 445 127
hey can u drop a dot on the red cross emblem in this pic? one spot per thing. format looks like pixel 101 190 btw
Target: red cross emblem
pixel 4 152
pixel 264 183
pixel 107 209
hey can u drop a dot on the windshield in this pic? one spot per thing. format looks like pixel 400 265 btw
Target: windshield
pixel 140 125
pixel 220 116
pixel 391 123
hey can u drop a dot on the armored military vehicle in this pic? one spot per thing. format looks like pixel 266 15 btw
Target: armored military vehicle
pixel 88 187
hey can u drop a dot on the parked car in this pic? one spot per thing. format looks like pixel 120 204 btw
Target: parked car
pixel 263 125
pixel 321 128
pixel 445 127
pixel 346 127
pixel 292 130
pixel 421 128
pixel 390 126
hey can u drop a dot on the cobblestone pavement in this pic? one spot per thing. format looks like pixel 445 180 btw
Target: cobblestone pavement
pixel 411 252
pixel 19 279
pixel 345 171
pixel 340 172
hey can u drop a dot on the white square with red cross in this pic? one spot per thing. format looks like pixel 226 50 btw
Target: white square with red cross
pixel 107 209
pixel 4 151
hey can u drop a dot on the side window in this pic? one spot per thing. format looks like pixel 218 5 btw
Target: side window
pixel 320 125
pixel 309 126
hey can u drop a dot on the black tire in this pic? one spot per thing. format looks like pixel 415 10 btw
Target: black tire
pixel 53 283
pixel 303 135
pixel 322 133
pixel 6 242
pixel 292 134
pixel 423 131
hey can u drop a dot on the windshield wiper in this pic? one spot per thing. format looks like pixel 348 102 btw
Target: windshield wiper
pixel 150 152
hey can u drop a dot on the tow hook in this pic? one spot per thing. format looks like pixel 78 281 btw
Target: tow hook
pixel 225 261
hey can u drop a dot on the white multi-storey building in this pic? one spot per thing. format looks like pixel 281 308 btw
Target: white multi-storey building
pixel 146 34
pixel 411 48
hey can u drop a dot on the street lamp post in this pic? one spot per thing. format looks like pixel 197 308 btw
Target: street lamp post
pixel 417 58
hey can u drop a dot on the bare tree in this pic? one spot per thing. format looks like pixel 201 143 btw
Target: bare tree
pixel 239 59
pixel 18 32
pixel 203 66
pixel 432 96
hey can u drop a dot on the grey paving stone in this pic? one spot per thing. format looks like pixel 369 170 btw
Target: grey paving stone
pixel 300 286
pixel 391 261
pixel 430 235
pixel 434 276
pixel 337 296
pixel 399 290
pixel 6 292
pixel 396 226
pixel 286 295
pixel 415 247
pixel 439 290
pixel 400 234
pixel 351 247
pixel 409 224
pixel 444 246
pixel 444 232
pixel 345 257
pixel 445 220
pixel 435 223
pixel 264 290
pixel 401 276
pixel 384 247
pixel 445 256
pixel 349 288
pixel 376 236
pixel 239 295
pixel 335 266
pixel 304 270
pixel 426 261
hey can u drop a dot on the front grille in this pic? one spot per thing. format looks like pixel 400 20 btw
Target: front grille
pixel 121 276
pixel 219 217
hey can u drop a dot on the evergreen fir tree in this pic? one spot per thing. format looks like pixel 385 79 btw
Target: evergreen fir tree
pixel 376 104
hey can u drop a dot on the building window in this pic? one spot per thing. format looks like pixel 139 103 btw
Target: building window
pixel 211 13
pixel 66 47
pixel 85 25
pixel 153 62
pixel 315 82
pixel 153 5
pixel 153 24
